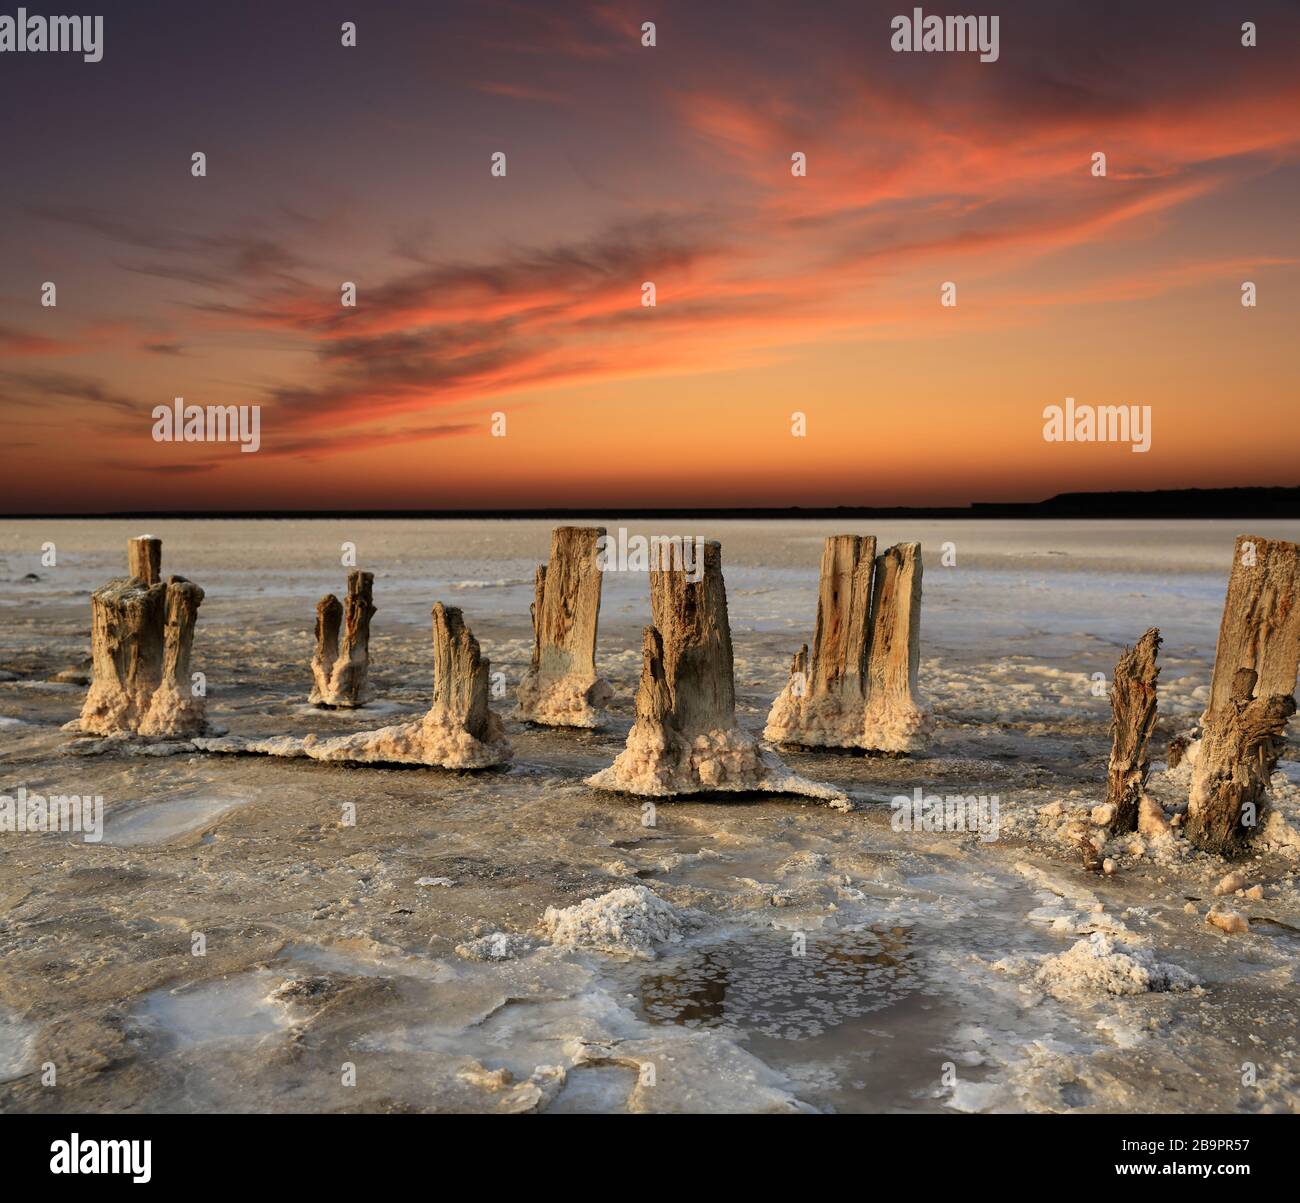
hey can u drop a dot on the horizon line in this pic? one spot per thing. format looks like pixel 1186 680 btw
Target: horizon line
pixel 1244 501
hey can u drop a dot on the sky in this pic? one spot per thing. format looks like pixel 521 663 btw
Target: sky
pixel 500 353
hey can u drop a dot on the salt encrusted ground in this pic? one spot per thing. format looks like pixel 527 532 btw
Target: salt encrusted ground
pixel 415 944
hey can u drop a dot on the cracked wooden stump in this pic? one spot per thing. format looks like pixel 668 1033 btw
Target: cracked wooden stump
pixel 174 709
pixel 1133 718
pixel 1260 628
pixel 144 558
pixel 459 731
pixel 895 719
pixel 126 632
pixel 1237 756
pixel 1251 695
pixel 858 689
pixel 824 702
pixel 685 739
pixel 561 688
pixel 340 668
pixel 142 633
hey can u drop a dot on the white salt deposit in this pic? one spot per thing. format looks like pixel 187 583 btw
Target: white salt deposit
pixel 1101 964
pixel 629 921
pixel 974 1097
pixel 495 946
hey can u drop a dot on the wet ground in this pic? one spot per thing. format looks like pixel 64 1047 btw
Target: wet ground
pixel 259 934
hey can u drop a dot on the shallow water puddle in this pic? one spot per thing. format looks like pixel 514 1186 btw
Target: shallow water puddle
pixel 162 821
pixel 344 961
pixel 758 984
pixel 234 1008
pixel 851 1023
pixel 593 1090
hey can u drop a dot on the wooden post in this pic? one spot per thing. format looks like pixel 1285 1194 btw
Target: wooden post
pixel 1251 694
pixel 685 739
pixel 460 673
pixel 174 709
pixel 126 647
pixel 823 704
pixel 144 559
pixel 141 636
pixel 458 731
pixel 350 674
pixel 329 617
pixel 895 720
pixel 561 688
pixel 842 634
pixel 1133 710
pixel 1237 756
pixel 1260 628
pixel 691 617
pixel 340 668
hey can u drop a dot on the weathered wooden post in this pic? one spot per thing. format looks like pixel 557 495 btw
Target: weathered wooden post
pixel 824 702
pixel 561 688
pixel 126 647
pixel 458 731
pixel 144 558
pixel 1251 695
pixel 685 739
pixel 895 718
pixel 460 677
pixel 1236 758
pixel 175 708
pixel 340 668
pixel 1133 718
pixel 141 634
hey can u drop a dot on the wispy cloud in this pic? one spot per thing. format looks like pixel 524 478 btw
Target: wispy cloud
pixel 669 166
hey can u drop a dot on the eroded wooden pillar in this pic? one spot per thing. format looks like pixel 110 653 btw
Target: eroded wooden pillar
pixel 340 666
pixel 458 731
pixel 142 634
pixel 686 739
pixel 175 708
pixel 1251 695
pixel 1133 718
pixel 144 558
pixel 895 719
pixel 824 702
pixel 561 687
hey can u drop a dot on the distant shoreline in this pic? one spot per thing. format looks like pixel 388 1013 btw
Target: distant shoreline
pixel 1189 504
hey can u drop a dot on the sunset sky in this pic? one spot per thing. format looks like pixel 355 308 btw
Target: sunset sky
pixel 627 164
